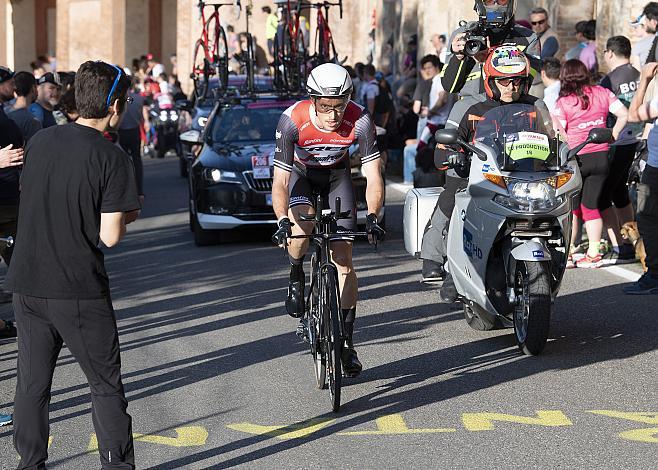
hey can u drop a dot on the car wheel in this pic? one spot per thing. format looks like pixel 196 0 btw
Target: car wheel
pixel 203 237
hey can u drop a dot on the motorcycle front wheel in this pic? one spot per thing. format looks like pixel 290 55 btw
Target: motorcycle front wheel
pixel 532 315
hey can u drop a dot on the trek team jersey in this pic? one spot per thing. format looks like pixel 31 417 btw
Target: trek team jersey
pixel 299 140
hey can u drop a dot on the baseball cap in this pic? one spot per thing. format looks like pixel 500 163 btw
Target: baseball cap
pixel 6 74
pixel 49 77
pixel 637 21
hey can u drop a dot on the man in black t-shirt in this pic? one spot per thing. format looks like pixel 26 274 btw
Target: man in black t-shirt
pixel 77 190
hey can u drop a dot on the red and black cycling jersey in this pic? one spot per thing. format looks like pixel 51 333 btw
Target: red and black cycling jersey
pixel 299 139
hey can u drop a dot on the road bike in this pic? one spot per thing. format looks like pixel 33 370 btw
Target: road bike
pixel 291 64
pixel 247 55
pixel 211 54
pixel 325 49
pixel 324 321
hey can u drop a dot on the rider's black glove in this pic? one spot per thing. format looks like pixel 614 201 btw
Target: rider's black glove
pixel 283 232
pixel 373 229
pixel 456 159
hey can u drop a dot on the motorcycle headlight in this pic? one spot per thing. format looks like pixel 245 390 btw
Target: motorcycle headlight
pixel 202 122
pixel 163 115
pixel 174 116
pixel 215 175
pixel 530 197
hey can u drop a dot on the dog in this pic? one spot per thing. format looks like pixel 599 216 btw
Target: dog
pixel 630 232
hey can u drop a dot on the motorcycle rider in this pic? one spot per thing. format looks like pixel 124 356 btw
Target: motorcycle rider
pixel 507 78
pixel 312 141
pixel 463 74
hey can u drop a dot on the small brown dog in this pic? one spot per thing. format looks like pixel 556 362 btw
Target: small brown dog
pixel 630 232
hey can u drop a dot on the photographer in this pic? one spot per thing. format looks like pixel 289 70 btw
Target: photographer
pixel 469 44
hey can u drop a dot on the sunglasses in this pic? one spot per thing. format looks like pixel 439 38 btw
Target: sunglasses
pixel 502 3
pixel 114 85
pixel 535 23
pixel 326 109
pixel 516 81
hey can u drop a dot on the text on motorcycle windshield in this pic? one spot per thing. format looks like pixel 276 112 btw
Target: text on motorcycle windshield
pixel 116 82
pixel 520 137
pixel 495 12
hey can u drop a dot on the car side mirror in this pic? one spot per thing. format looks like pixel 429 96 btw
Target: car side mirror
pixel 600 135
pixel 184 105
pixel 192 137
pixel 446 136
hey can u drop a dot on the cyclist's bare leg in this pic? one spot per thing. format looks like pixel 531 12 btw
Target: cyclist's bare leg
pixel 297 247
pixel 341 254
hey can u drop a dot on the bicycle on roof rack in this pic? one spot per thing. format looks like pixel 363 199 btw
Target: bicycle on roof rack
pixel 324 321
pixel 247 55
pixel 290 54
pixel 211 55
pixel 325 49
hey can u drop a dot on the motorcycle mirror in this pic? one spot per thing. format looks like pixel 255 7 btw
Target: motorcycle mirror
pixel 446 136
pixel 192 137
pixel 600 135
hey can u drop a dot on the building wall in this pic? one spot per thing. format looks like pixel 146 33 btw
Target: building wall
pixel 21 44
pixel 168 32
pixel 137 30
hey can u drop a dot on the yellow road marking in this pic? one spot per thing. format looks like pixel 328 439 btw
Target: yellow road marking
pixel 188 436
pixel 293 431
pixel 649 435
pixel 484 421
pixel 394 424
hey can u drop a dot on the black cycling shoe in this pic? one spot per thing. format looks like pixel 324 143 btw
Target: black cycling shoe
pixel 295 300
pixel 448 290
pixel 351 365
pixel 432 271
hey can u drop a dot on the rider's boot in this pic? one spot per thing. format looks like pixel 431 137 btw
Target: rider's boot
pixel 449 290
pixel 351 364
pixel 295 300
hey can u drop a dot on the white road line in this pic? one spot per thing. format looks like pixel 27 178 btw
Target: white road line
pixel 624 273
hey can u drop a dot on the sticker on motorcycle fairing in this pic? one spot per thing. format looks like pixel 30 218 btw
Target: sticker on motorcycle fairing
pixel 538 254
pixel 470 248
pixel 486 167
pixel 261 166
pixel 523 145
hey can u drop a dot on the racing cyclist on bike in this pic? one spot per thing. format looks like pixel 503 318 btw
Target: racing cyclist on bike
pixel 312 141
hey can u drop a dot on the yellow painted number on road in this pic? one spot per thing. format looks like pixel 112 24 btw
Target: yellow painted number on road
pixel 293 431
pixel 485 421
pixel 649 435
pixel 394 424
pixel 189 436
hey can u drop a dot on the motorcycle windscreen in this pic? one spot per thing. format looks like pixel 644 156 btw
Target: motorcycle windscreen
pixel 522 136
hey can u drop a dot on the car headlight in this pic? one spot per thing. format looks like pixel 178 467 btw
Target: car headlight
pixel 215 175
pixel 530 197
pixel 202 121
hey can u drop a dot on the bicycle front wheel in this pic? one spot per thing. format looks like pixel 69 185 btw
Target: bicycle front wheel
pixel 200 70
pixel 221 57
pixel 315 327
pixel 333 343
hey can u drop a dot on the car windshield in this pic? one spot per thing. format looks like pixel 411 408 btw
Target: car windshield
pixel 522 136
pixel 251 123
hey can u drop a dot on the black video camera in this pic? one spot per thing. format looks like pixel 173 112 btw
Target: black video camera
pixel 477 33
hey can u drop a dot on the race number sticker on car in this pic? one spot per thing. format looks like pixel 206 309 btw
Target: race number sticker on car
pixel 261 166
pixel 522 145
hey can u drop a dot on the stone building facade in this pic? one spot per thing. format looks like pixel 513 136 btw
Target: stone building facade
pixel 120 30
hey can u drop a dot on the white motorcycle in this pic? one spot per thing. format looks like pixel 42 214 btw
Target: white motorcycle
pixel 510 229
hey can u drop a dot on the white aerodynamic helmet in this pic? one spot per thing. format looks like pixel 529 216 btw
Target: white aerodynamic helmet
pixel 329 81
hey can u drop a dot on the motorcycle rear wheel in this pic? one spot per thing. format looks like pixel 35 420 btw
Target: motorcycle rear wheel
pixel 532 315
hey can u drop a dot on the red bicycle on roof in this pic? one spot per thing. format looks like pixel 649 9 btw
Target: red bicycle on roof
pixel 211 55
pixel 325 49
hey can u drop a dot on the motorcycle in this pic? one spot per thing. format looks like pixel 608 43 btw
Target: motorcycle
pixel 510 230
pixel 163 132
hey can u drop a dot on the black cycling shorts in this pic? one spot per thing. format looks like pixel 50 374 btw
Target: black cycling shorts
pixel 331 183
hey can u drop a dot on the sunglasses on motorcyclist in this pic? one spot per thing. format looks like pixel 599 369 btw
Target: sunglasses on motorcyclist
pixel 516 81
pixel 502 3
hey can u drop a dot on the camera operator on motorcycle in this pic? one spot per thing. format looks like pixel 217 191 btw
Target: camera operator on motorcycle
pixel 312 141
pixel 507 78
pixel 469 43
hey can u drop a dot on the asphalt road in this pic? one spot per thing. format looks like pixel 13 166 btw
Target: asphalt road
pixel 216 377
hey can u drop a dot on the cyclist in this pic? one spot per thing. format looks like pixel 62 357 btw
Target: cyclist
pixel 507 78
pixel 312 141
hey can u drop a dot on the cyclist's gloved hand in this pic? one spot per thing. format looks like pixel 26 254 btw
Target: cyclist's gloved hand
pixel 283 232
pixel 373 230
pixel 456 159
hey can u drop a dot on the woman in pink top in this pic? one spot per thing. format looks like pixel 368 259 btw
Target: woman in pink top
pixel 580 108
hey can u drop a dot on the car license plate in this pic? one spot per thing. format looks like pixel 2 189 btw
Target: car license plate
pixel 261 167
pixel 268 199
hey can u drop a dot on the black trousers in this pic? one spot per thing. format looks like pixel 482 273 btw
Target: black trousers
pixel 88 327
pixel 647 216
pixel 131 143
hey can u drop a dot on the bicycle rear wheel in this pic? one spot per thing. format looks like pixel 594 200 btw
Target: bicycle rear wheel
pixel 333 343
pixel 220 57
pixel 251 63
pixel 200 70
pixel 279 85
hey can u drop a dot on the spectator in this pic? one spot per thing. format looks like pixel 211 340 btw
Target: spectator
pixel 67 107
pixel 647 202
pixel 650 14
pixel 163 84
pixel 358 81
pixel 26 93
pixel 173 59
pixel 580 108
pixel 49 88
pixel 440 48
pixel 61 288
pixel 136 116
pixel 369 88
pixel 622 81
pixel 155 68
pixel 550 76
pixel 643 41
pixel 574 52
pixel 550 45
pixel 588 54
pixel 271 25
